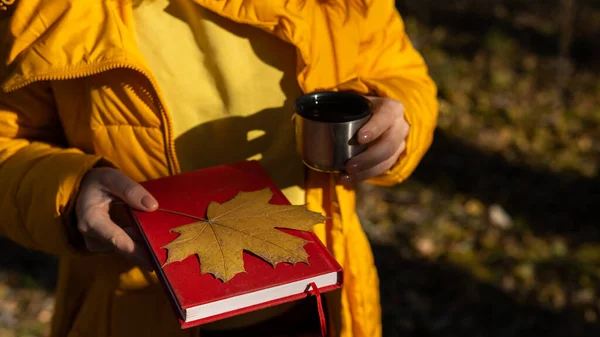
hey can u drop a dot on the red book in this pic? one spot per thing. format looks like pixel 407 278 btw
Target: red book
pixel 200 299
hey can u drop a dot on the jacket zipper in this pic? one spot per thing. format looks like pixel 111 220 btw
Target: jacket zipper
pixel 170 142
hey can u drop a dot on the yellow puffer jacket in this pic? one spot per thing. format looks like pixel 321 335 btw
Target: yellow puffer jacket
pixel 77 93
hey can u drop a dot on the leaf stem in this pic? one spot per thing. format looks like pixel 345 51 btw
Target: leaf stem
pixel 167 211
pixel 182 214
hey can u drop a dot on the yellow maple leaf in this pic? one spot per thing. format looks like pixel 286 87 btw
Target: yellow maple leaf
pixel 246 222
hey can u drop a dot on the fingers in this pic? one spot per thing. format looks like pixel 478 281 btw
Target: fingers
pixel 374 171
pixel 140 255
pixel 128 190
pixel 383 148
pixel 386 113
pixel 103 233
pixel 98 216
pixel 385 133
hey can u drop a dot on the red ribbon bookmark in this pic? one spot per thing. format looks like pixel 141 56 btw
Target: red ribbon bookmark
pixel 315 291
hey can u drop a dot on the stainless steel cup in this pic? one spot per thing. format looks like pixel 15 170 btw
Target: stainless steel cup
pixel 326 128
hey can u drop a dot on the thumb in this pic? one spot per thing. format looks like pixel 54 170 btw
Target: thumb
pixel 129 191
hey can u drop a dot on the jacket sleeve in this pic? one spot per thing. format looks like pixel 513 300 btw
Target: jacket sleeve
pixel 38 180
pixel 390 66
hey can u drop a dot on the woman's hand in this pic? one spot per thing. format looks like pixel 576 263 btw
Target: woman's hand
pixel 99 188
pixel 386 134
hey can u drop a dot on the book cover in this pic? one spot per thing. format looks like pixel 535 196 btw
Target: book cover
pixel 202 298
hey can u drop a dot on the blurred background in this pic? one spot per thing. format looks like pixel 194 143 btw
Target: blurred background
pixel 496 233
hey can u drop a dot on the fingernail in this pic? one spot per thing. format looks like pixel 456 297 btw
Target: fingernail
pixel 149 202
pixel 365 136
